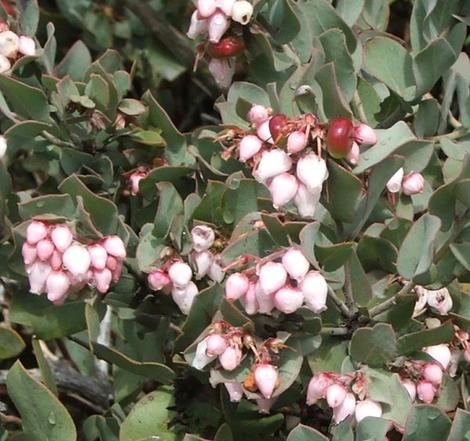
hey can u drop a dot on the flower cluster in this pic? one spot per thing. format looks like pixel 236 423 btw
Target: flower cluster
pixel 344 394
pixel 176 275
pixel 410 184
pixel 286 285
pixel 226 343
pixel 12 46
pixel 56 262
pixel 440 300
pixel 423 379
pixel 213 18
pixel 276 148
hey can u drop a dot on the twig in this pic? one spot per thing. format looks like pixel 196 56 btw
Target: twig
pixel 339 303
pixel 348 288
pixel 376 310
pixel 96 391
pixel 334 331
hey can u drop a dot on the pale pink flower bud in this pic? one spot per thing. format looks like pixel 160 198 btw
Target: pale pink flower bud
pixel 35 232
pixel 296 264
pixel 235 391
pixel 158 279
pixel 203 261
pixel 134 180
pixel 77 260
pixel 364 134
pixel 111 263
pixel 225 6
pixel 180 274
pixel 44 249
pixel 432 372
pixel 216 344
pixel 37 274
pixel 57 286
pixel 410 387
pixel 273 163
pixel 283 189
pixel 56 260
pixel 206 8
pixel 272 277
pixel 315 291
pixel 426 391
pixel 29 253
pixel 184 297
pixel 99 257
pixel 265 301
pixel 264 133
pixel 440 299
pixel 202 358
pixel 440 353
pixel 230 358
pixel 4 26
pixel 367 408
pixel 3 142
pixel 312 171
pixel 117 271
pixel 5 65
pixel 114 246
pixel 242 12
pixel 258 115
pixel 306 201
pixel 236 286
pixel 266 378
pixel 9 44
pixel 335 395
pixel 250 302
pixel 297 141
pixel 466 354
pixel 203 237
pixel 394 183
pixel 288 299
pixel 26 46
pixel 218 24
pixel 249 146
pixel 61 237
pixel 345 409
pixel 223 70
pixel 216 272
pixel 197 27
pixel 353 155
pixel 102 280
pixel 413 183
pixel 317 387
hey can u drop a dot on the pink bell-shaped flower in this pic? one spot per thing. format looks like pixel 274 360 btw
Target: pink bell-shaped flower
pixel 249 146
pixel 335 395
pixel 115 246
pixel 36 231
pixel 258 115
pixel 296 264
pixel 317 387
pixel 44 249
pixel 98 256
pixel 180 274
pixel 272 277
pixel 57 285
pixel 236 286
pixel 216 344
pixel 230 358
pixel 266 378
pixel 288 299
pixel 364 134
pixel 62 237
pixel 413 183
pixel 158 279
pixel 283 189
pixel 296 141
pixel 203 237
pixel 315 291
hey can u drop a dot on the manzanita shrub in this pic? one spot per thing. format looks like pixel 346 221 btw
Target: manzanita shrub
pixel 295 267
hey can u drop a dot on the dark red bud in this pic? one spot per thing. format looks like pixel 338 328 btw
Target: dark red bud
pixel 339 139
pixel 227 47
